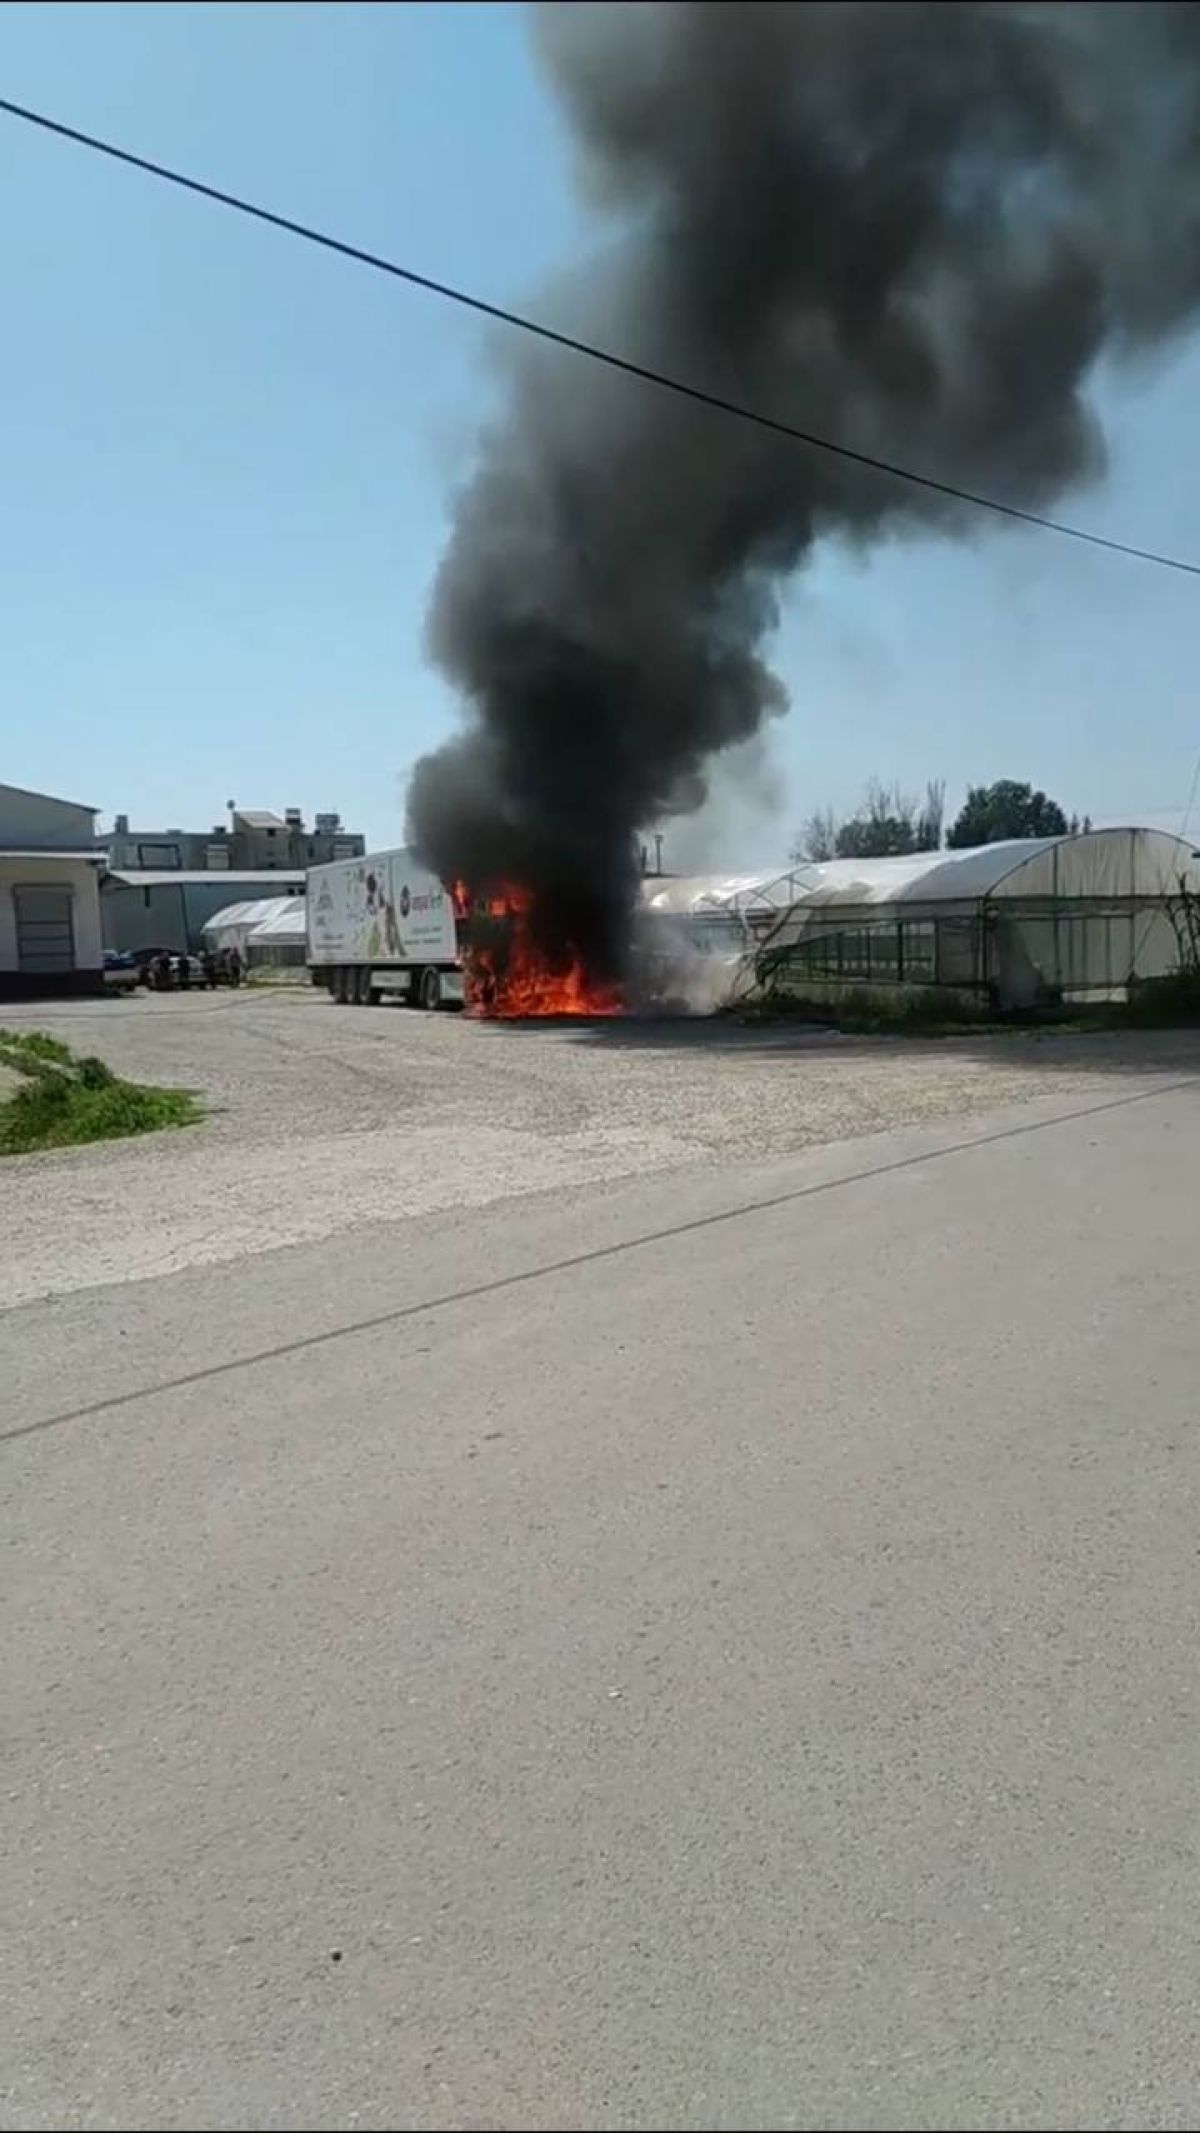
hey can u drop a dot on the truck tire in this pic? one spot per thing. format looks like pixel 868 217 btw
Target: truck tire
pixel 339 986
pixel 363 994
pixel 431 990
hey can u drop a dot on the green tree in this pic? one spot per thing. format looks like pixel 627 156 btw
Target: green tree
pixel 991 813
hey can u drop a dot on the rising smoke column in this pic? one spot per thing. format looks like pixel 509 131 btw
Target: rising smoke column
pixel 911 228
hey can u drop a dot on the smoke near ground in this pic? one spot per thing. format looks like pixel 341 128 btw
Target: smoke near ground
pixel 912 228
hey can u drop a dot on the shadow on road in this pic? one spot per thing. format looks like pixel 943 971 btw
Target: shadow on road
pixel 1128 1052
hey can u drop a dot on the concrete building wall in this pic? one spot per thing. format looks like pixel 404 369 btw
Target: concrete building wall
pixel 182 849
pixel 50 937
pixel 28 819
pixel 171 914
pixel 153 917
pixel 256 842
pixel 28 879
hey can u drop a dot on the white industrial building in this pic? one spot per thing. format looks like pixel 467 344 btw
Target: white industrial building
pixel 50 937
pixel 1012 924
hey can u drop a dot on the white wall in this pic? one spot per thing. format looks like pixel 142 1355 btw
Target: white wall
pixel 77 875
pixel 34 818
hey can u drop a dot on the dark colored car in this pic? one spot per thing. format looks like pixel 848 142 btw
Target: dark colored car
pixel 120 971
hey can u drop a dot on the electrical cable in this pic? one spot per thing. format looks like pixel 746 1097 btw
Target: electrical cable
pixel 571 342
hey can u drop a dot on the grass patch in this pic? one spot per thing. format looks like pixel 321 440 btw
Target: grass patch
pixel 32 1050
pixel 67 1101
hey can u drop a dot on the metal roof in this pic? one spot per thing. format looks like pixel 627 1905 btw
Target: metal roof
pixel 259 818
pixel 211 877
pixel 26 792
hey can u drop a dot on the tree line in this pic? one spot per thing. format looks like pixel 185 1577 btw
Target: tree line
pixel 890 822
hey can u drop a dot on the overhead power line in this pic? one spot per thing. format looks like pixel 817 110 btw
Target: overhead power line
pixel 569 341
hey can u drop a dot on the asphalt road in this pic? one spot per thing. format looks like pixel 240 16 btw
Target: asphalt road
pixel 319 1119
pixel 718 1650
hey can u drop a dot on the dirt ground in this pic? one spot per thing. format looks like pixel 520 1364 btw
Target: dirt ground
pixel 322 1119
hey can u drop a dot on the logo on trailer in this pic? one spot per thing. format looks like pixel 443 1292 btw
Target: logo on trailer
pixel 405 901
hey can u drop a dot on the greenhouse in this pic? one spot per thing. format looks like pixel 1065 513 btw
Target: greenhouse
pixel 1013 925
pixel 267 930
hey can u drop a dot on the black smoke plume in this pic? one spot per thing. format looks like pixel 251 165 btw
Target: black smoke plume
pixel 913 228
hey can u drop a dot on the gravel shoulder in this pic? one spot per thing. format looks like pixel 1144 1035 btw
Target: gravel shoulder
pixel 322 1120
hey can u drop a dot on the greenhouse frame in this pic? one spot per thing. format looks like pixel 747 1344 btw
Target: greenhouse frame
pixel 1012 925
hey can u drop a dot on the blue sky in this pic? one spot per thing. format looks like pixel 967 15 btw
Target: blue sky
pixel 227 457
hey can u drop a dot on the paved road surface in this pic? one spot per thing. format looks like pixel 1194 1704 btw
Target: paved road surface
pixel 322 1118
pixel 729 1659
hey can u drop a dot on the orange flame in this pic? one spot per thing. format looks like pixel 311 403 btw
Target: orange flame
pixel 515 981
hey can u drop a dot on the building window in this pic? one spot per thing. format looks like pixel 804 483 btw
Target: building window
pixel 158 855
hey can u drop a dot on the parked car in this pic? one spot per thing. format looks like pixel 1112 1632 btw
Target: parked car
pixel 121 973
pixel 187 971
pixel 145 960
pixel 168 969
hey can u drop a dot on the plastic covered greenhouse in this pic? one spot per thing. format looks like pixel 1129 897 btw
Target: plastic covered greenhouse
pixel 268 929
pixel 1013 924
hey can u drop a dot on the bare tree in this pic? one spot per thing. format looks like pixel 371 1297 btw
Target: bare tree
pixel 932 817
pixel 889 821
pixel 817 840
pixel 885 825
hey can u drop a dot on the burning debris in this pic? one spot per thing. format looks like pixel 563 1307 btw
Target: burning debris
pixel 910 228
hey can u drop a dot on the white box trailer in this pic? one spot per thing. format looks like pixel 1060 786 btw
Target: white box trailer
pixel 383 924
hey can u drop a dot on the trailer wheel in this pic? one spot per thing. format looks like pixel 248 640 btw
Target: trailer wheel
pixel 363 995
pixel 339 986
pixel 431 990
